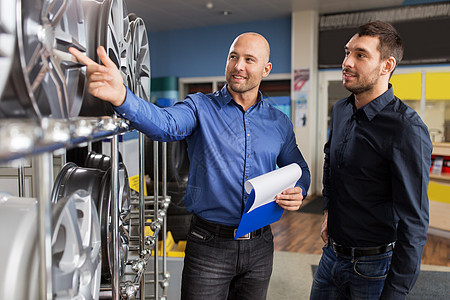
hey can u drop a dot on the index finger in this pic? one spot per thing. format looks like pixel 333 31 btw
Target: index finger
pixel 81 57
pixel 101 52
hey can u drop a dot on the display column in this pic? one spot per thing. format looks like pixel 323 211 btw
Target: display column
pixel 305 32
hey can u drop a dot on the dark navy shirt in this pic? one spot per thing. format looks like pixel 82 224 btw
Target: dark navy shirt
pixel 376 171
pixel 226 146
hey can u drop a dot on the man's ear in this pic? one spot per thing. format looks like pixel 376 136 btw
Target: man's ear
pixel 389 65
pixel 267 69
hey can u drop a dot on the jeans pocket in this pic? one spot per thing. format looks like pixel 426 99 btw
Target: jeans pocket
pixel 373 268
pixel 268 236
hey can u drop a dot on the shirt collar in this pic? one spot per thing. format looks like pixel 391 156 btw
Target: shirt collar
pixel 225 97
pixel 372 108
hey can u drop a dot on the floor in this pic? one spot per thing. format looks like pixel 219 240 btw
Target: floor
pixel 300 232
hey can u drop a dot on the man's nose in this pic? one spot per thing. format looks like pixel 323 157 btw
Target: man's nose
pixel 348 61
pixel 239 64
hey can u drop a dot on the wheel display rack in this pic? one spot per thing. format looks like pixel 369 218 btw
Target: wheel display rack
pixel 41 144
pixel 44 111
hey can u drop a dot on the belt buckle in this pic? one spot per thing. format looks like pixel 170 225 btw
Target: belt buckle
pixel 335 246
pixel 244 237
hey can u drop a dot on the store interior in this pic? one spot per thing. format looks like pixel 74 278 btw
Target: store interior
pixel 86 200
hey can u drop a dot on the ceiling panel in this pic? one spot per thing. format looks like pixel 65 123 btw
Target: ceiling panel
pixel 160 15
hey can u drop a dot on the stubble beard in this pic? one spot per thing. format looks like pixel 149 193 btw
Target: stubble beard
pixel 362 87
pixel 359 89
pixel 241 88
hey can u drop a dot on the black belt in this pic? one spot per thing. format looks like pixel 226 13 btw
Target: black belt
pixel 360 251
pixel 224 230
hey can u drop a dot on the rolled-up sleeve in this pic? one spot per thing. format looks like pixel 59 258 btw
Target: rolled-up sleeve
pixel 410 166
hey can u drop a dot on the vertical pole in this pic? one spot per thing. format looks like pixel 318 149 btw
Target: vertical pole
pixel 43 176
pixel 155 219
pixel 115 216
pixel 63 157
pixel 164 228
pixel 142 210
pixel 21 178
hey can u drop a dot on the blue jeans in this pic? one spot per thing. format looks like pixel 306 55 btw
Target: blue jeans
pixel 343 278
pixel 217 268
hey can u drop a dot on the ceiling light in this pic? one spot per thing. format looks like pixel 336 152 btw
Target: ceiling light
pixel 209 5
pixel 226 12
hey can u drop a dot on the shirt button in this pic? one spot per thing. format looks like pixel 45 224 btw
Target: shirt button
pixel 246 177
pixel 248 134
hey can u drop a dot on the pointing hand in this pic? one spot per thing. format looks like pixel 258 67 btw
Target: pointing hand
pixel 103 81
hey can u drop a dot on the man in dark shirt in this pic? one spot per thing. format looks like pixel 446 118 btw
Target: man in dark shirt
pixel 376 171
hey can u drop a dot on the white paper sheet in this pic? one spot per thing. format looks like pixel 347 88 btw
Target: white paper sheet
pixel 268 185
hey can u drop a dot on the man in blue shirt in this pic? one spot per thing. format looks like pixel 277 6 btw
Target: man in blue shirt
pixel 376 171
pixel 232 135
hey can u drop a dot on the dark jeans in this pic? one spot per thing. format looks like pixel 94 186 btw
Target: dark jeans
pixel 343 278
pixel 218 268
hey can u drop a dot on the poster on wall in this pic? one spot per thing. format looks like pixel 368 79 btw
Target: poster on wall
pixel 301 90
pixel 301 109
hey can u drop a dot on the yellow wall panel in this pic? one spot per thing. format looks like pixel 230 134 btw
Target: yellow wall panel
pixel 437 86
pixel 407 86
pixel 439 192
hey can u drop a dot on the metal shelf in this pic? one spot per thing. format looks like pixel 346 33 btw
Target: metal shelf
pixel 444 177
pixel 441 149
pixel 23 137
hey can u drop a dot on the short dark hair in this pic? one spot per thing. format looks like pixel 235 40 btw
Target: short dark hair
pixel 391 43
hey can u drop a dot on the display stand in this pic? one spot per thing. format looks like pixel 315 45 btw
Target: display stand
pixel 39 140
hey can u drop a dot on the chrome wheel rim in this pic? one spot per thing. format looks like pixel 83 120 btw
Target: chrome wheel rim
pixel 19 260
pixel 97 183
pixel 124 223
pixel 140 59
pixel 76 248
pixel 53 82
pixel 110 29
pixel 118 37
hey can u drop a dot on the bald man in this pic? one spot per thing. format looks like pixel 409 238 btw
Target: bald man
pixel 232 135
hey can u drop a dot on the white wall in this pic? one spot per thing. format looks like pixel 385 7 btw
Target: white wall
pixel 305 30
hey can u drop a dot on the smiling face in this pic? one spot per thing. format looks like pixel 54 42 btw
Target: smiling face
pixel 362 65
pixel 247 63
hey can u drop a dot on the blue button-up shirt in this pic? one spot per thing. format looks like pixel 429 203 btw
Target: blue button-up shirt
pixel 376 171
pixel 226 146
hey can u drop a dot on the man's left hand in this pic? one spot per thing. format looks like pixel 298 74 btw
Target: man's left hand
pixel 290 199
